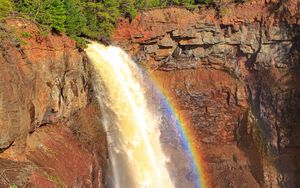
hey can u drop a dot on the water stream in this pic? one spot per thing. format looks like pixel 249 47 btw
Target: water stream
pixel 136 154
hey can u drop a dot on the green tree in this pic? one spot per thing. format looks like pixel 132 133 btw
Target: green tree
pixel 89 18
pixel 29 8
pixel 128 8
pixel 109 15
pixel 101 17
pixel 75 20
pixel 53 14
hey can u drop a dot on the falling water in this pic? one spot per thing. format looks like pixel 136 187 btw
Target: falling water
pixel 133 131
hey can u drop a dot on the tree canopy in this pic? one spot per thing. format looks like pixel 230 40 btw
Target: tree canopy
pixel 82 18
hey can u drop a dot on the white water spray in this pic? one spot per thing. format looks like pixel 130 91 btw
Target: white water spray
pixel 133 132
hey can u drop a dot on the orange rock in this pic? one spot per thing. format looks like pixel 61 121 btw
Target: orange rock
pixel 46 114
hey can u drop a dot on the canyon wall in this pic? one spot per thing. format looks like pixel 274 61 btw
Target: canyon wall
pixel 234 73
pixel 50 134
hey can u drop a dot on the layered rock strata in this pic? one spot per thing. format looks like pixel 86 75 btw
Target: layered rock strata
pixel 234 73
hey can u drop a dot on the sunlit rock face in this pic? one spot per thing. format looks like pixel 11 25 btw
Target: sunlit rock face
pixel 50 131
pixel 235 74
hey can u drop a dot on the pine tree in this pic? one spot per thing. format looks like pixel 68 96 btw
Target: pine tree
pixel 53 14
pixel 128 8
pixel 108 15
pixel 29 8
pixel 102 16
pixel 90 9
pixel 75 19
pixel 50 13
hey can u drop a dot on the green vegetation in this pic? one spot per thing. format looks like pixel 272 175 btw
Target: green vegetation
pixel 100 17
pixel 207 1
pixel 128 7
pixel 74 26
pixel 25 34
pixel 5 8
pixel 13 186
pixel 82 18
pixel 19 40
pixel 51 13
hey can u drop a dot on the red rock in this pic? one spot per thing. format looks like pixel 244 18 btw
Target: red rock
pixel 47 118
pixel 229 77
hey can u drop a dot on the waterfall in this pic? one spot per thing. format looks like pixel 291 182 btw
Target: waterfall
pixel 132 129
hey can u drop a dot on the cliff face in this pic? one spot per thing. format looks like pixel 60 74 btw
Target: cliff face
pixel 50 134
pixel 234 72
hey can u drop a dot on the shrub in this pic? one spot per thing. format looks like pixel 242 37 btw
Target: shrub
pixel 25 34
pixel 13 186
pixel 80 42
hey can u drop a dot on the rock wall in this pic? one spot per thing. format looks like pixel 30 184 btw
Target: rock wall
pixel 234 72
pixel 49 122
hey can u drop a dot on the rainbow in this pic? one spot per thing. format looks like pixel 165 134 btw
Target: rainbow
pixel 185 132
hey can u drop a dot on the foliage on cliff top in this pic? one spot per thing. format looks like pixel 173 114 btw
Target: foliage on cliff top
pixel 83 18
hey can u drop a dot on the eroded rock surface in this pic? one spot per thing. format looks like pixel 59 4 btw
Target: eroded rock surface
pixel 48 119
pixel 234 73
